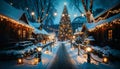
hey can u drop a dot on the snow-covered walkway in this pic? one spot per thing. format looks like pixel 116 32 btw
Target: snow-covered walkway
pixel 62 60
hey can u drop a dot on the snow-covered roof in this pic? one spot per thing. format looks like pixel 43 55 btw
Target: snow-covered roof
pixel 90 25
pixel 36 25
pixel 9 11
pixel 93 25
pixel 37 31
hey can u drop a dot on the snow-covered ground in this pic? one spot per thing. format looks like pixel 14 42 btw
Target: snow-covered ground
pixel 81 60
pixel 47 56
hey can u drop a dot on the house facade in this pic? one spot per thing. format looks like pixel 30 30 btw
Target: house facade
pixel 13 25
pixel 106 32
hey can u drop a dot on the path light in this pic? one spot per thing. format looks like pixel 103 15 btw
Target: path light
pixel 39 49
pixel 89 50
pixel 105 60
pixel 39 53
pixel 35 61
pixel 20 61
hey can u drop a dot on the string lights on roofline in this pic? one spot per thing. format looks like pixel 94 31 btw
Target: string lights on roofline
pixel 15 22
pixel 106 24
pixel 113 12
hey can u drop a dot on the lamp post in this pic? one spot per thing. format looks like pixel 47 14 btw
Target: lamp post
pixel 72 40
pixel 39 53
pixel 32 14
pixel 105 60
pixel 88 49
pixel 20 60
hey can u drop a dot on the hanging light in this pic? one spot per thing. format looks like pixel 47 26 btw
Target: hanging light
pixel 32 13
pixel 55 14
pixel 65 3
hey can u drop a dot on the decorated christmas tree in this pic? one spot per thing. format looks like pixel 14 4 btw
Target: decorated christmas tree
pixel 65 29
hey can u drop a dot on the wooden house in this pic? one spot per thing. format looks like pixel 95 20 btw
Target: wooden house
pixel 107 30
pixel 13 24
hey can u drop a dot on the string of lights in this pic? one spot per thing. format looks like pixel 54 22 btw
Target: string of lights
pixel 108 13
pixel 106 24
pixel 2 17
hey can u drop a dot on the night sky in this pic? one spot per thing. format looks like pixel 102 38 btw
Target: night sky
pixel 104 4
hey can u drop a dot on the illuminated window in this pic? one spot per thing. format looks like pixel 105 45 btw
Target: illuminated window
pixel 109 34
pixel 24 34
pixel 19 32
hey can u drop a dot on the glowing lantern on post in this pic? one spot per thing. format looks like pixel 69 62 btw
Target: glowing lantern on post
pixel 105 60
pixel 88 49
pixel 35 61
pixel 39 49
pixel 20 61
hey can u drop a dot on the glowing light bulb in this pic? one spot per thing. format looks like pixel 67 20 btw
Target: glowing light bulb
pixel 55 14
pixel 65 3
pixel 32 13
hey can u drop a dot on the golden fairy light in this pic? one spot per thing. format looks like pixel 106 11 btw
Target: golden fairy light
pixel 88 49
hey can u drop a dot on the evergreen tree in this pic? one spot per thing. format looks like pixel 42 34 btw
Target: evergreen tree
pixel 65 29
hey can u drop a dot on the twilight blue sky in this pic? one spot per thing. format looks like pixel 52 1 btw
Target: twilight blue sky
pixel 97 4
